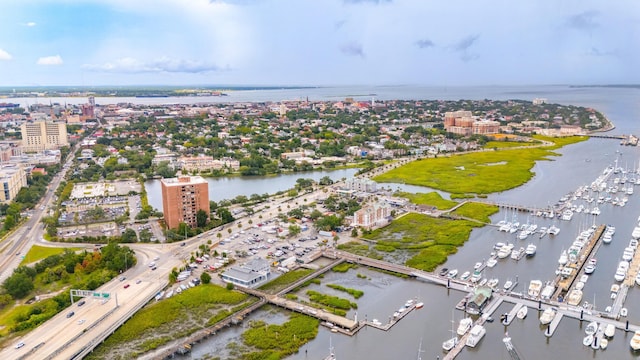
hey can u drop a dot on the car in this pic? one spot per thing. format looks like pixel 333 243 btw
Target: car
pixel 138 281
pixel 156 258
pixel 19 345
pixel 81 321
pixel 183 244
pixel 81 302
pixel 122 278
pixel 70 314
pixel 126 286
pixel 153 268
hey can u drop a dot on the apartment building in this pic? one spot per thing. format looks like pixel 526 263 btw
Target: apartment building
pixel 12 179
pixel 182 197
pixel 43 135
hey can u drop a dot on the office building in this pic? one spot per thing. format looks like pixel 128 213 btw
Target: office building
pixel 182 197
pixel 12 179
pixel 43 135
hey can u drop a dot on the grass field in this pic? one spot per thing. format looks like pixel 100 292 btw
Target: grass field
pixel 478 211
pixel 428 240
pixel 284 280
pixel 431 198
pixel 476 173
pixel 40 252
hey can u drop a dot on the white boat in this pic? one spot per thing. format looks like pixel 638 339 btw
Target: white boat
pixel 607 238
pixel 493 283
pixel 604 343
pixel 464 326
pixel 419 305
pixel 587 340
pixel 534 288
pixel 449 344
pixel 477 275
pixel 614 290
pixel 452 274
pixel 505 251
pixel 638 279
pixel 492 262
pixel 620 274
pixel 563 258
pixel 609 330
pixel 477 265
pixel 591 328
pixel 623 312
pixel 531 250
pixel 574 297
pixel 522 313
pixel 376 322
pixel 465 275
pixel 547 291
pixel 553 230
pixel 589 269
pixel 547 315
pixel 636 232
pixel 508 284
pixel 635 341
pixel 579 285
pixel 476 334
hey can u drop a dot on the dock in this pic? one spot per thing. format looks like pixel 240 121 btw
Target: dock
pixel 554 324
pixel 512 314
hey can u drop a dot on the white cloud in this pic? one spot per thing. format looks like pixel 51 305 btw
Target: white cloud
pixel 5 55
pixel 50 60
pixel 30 24
pixel 163 64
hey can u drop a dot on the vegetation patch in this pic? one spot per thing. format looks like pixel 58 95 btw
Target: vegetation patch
pixel 344 267
pixel 178 316
pixel 431 198
pixel 478 211
pixel 331 301
pixel 361 249
pixel 38 252
pixel 285 280
pixel 469 173
pixel 279 341
pixel 353 292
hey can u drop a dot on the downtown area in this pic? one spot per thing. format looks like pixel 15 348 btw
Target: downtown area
pixel 141 230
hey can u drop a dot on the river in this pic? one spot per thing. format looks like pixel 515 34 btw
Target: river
pixel 579 164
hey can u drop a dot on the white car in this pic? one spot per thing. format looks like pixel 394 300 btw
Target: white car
pixel 19 345
pixel 81 321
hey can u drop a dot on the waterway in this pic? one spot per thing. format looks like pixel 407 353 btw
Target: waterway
pixel 229 187
pixel 579 164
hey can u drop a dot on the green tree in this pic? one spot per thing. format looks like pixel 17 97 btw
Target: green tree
pixel 18 285
pixel 201 218
pixel 294 230
pixel 129 236
pixel 230 286
pixel 205 278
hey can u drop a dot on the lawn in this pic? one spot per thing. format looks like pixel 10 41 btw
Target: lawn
pixel 476 173
pixel 428 240
pixel 431 198
pixel 40 252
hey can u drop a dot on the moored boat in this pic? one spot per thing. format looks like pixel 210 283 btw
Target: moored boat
pixel 531 250
pixel 587 340
pixel 419 305
pixel 635 341
pixel 522 312
pixel 604 343
pixel 547 315
pixel 609 330
pixel 492 262
pixel 449 344
pixel 476 334
pixel 534 288
pixel 464 326
pixel 465 275
pixel 574 297
pixel 591 328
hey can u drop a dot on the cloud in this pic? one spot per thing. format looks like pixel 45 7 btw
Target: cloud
pixel 584 21
pixel 163 64
pixel 352 49
pixel 30 24
pixel 425 43
pixel 5 55
pixel 594 51
pixel 376 2
pixel 50 60
pixel 462 47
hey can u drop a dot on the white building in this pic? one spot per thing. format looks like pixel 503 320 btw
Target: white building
pixel 250 274
pixel 361 184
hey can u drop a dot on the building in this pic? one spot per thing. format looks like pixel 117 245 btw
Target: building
pixel 480 298
pixel 539 101
pixel 207 163
pixel 43 135
pixel 361 184
pixel 462 123
pixel 373 215
pixel 250 274
pixel 182 197
pixel 12 179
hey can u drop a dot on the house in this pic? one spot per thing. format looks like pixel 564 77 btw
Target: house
pixel 250 274
pixel 479 300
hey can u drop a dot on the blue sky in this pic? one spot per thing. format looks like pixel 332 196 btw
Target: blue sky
pixel 318 42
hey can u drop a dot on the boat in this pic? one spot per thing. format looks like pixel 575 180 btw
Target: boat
pixel 508 284
pixel 476 334
pixel 464 326
pixel 574 297
pixel 553 230
pixel 638 279
pixel 483 282
pixel 531 250
pixel 635 341
pixel 579 285
pixel 332 355
pixel 589 269
pixel 588 340
pixel 477 275
pixel 547 315
pixel 623 312
pixel 419 305
pixel 547 291
pixel 534 288
pixel 604 343
pixel 376 322
pixel 408 303
pixel 504 251
pixel 465 275
pixel 609 330
pixel 477 265
pixel 607 238
pixel 563 258
pixel 614 290
pixel 517 254
pixel 492 262
pixel 522 312
pixel 449 344
pixel 452 274
pixel 444 271
pixel 591 328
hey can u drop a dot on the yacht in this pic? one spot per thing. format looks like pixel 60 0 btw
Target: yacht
pixel 563 258
pixel 534 288
pixel 477 275
pixel 553 230
pixel 595 211
pixel 567 215
pixel 492 262
pixel 452 274
pixel 476 334
pixel 465 275
pixel 547 291
pixel 450 344
pixel 609 330
pixel 508 284
pixel 591 267
pixel 522 313
pixel 531 250
pixel 614 290
pixel 636 232
pixel 464 326
pixel 606 238
pixel 574 297
pixel 588 340
pixel 492 283
pixel 547 315
pixel 591 328
pixel 505 251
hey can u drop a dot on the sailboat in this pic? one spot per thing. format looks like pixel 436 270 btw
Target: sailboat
pixel 449 344
pixel 420 350
pixel 332 355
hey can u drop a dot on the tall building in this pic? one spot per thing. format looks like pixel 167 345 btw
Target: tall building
pixel 182 197
pixel 43 135
pixel 12 179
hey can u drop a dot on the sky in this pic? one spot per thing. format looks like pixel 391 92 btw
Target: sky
pixel 318 42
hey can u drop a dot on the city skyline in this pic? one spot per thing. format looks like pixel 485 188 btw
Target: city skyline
pixel 317 43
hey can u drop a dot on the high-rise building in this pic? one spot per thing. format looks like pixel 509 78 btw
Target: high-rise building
pixel 182 197
pixel 12 179
pixel 43 135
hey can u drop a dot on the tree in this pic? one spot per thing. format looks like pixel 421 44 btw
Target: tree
pixel 230 286
pixel 18 285
pixel 201 218
pixel 335 240
pixel 129 236
pixel 325 180
pixel 354 232
pixel 294 230
pixel 205 278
